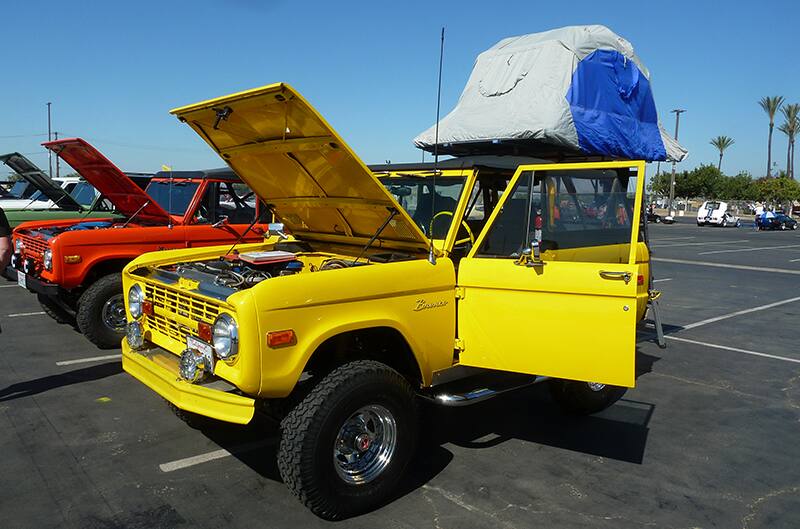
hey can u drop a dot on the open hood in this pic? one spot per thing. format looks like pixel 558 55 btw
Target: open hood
pixel 38 179
pixel 107 178
pixel 297 164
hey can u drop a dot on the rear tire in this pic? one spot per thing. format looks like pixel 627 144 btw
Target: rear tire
pixel 100 309
pixel 52 308
pixel 583 398
pixel 344 446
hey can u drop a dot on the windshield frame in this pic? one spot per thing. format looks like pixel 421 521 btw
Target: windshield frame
pixel 468 177
pixel 177 183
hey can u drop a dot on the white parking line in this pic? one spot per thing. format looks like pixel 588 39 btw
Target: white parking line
pixel 734 349
pixel 724 265
pixel 681 244
pixel 739 313
pixel 751 249
pixel 793 260
pixel 671 239
pixel 664 279
pixel 211 456
pixel 21 314
pixel 9 286
pixel 87 360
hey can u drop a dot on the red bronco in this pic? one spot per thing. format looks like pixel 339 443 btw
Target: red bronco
pixel 74 266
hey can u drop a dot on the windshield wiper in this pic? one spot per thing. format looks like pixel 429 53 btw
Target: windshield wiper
pixel 392 212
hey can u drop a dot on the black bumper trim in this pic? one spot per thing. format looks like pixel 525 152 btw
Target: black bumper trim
pixel 34 284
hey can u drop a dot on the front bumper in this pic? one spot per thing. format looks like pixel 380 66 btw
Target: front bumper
pixel 158 369
pixel 33 283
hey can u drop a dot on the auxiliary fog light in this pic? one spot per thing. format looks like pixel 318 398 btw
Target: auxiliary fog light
pixel 28 265
pixel 47 259
pixel 135 335
pixel 15 260
pixel 135 299
pixel 192 365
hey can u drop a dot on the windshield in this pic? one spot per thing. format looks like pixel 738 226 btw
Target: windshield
pixel 416 195
pixel 182 193
pixel 22 189
pixel 83 193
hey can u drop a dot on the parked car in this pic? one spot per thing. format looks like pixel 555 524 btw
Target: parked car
pixel 715 213
pixel 393 290
pixel 775 221
pixel 74 266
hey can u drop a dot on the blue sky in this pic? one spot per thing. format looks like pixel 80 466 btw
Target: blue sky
pixel 113 69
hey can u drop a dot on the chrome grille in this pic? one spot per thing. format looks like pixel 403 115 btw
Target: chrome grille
pixel 177 313
pixel 34 246
pixel 181 303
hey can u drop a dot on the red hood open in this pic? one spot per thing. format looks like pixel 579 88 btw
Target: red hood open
pixel 107 178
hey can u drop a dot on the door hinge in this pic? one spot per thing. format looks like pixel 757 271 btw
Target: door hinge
pixel 458 345
pixel 459 292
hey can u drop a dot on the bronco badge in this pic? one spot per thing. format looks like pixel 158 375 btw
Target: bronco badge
pixel 425 305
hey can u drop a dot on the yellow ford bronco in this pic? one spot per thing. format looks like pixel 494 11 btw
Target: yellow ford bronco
pixel 450 283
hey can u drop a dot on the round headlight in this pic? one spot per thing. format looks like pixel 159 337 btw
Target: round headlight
pixel 135 299
pixel 47 259
pixel 19 245
pixel 226 337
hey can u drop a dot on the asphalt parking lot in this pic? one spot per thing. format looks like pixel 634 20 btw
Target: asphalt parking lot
pixel 708 438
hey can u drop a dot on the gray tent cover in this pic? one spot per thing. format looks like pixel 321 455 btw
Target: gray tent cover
pixel 578 90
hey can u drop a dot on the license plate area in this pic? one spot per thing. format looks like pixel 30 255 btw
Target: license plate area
pixel 204 348
pixel 22 279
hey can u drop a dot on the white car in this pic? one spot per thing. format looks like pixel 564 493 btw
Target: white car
pixel 39 200
pixel 716 213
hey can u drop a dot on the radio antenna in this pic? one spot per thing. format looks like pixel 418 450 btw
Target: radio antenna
pixel 431 254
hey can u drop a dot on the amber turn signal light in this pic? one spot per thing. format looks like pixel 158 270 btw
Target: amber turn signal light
pixel 204 331
pixel 281 338
pixel 147 308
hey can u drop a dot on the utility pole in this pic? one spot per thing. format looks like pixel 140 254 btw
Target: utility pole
pixel 49 137
pixel 677 112
pixel 58 158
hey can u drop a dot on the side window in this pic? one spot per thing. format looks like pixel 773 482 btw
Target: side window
pixel 233 201
pixel 568 209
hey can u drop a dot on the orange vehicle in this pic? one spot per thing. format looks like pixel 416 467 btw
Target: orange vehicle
pixel 74 266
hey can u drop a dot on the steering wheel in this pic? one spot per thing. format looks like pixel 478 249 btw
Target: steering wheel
pixel 470 239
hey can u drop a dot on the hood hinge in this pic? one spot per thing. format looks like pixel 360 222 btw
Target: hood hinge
pixel 458 344
pixel 459 292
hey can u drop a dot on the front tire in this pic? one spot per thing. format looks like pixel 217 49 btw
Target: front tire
pixel 345 446
pixel 101 312
pixel 583 398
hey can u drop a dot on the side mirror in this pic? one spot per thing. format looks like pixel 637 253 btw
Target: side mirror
pixel 276 228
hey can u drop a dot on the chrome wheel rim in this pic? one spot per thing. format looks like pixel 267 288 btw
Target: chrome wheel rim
pixel 114 313
pixel 596 386
pixel 365 444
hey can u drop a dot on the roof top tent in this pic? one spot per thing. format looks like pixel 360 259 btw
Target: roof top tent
pixel 574 93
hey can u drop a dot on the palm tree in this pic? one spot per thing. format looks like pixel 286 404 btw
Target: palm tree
pixel 790 127
pixel 721 143
pixel 770 106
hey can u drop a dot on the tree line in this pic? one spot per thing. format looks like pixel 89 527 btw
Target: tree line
pixel 707 181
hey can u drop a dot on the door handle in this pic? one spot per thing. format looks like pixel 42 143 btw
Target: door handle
pixel 610 274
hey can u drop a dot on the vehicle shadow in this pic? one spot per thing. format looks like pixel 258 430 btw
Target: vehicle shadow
pixel 528 414
pixel 76 376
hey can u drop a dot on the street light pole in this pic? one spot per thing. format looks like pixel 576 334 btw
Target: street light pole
pixel 49 137
pixel 677 112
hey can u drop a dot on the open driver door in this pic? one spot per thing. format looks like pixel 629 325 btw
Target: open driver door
pixel 550 286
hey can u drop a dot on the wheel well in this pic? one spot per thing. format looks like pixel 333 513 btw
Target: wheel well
pixel 104 268
pixel 383 344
